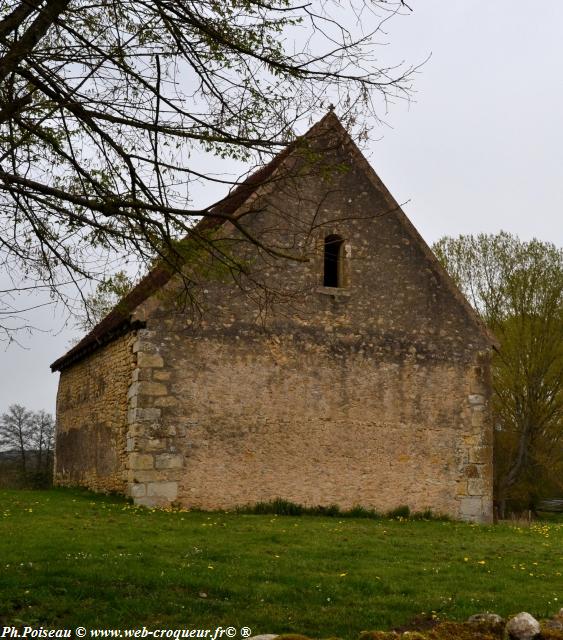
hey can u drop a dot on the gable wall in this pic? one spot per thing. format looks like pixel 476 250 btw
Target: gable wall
pixel 392 290
pixel 373 395
pixel 92 419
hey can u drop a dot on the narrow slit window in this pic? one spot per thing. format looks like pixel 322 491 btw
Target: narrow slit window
pixel 333 261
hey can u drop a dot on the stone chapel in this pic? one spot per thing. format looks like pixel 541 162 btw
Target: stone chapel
pixel 356 374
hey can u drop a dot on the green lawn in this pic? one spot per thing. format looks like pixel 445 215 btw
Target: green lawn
pixel 71 558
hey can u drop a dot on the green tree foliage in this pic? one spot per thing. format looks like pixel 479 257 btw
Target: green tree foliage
pixel 517 287
pixel 106 109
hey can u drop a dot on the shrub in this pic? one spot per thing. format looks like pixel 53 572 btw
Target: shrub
pixel 400 512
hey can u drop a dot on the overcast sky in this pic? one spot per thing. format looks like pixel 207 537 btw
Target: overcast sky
pixel 479 150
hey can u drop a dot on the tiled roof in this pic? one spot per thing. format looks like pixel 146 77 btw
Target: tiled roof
pixel 118 320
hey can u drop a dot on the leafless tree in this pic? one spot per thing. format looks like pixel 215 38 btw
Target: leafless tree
pixel 26 439
pixel 15 433
pixel 105 106
pixel 42 441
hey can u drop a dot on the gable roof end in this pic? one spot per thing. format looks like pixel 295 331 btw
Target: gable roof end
pixel 118 321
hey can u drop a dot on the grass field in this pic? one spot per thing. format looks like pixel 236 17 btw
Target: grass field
pixel 71 558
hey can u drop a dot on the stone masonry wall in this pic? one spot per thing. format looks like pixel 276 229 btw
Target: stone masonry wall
pixel 309 423
pixel 92 419
pixel 373 393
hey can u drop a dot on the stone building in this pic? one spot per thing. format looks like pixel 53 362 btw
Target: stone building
pixel 356 375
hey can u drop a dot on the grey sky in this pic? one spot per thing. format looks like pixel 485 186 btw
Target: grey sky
pixel 479 150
